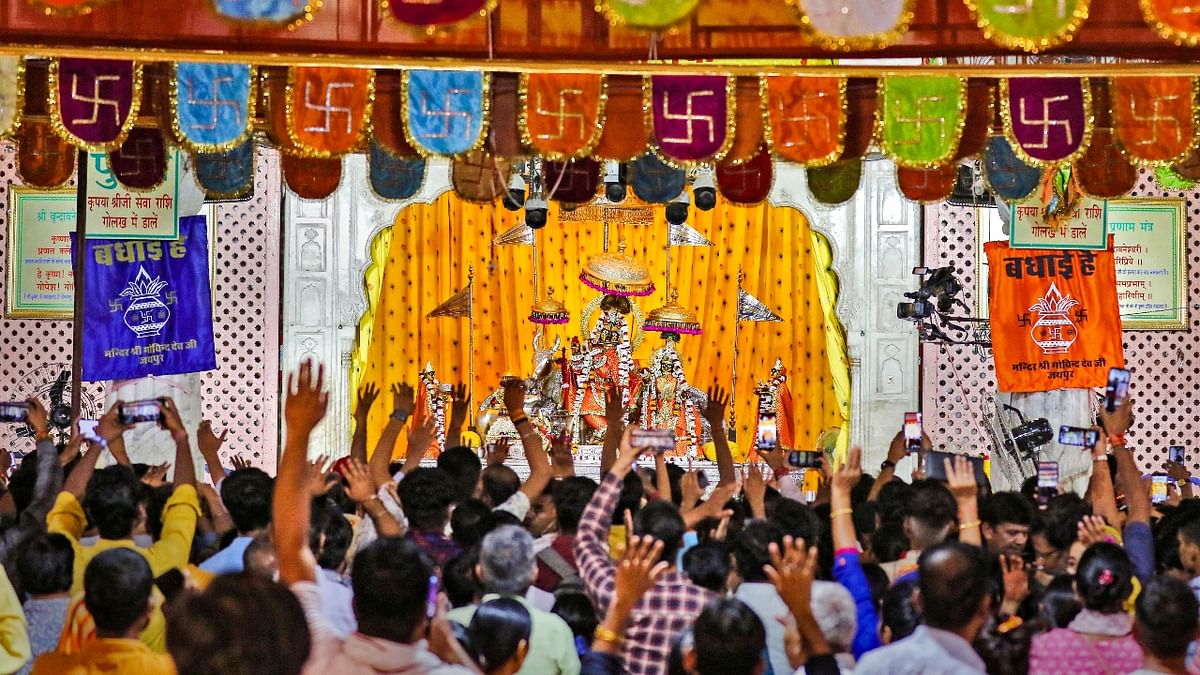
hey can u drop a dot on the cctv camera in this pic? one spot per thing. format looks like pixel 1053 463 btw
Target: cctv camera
pixel 514 199
pixel 536 213
pixel 677 210
pixel 705 191
pixel 615 189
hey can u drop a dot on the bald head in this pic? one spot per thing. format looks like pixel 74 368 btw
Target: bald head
pixel 953 584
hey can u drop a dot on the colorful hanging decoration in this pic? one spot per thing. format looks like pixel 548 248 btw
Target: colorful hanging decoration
pixel 274 81
pixel 805 118
pixel 311 177
pixel 290 13
pixel 977 126
pixel 854 25
pixel 504 134
pixel 573 182
pixel 746 183
pixel 672 318
pixel 44 160
pixel 1029 25
pixel 1174 20
pixel 617 274
pixel 1005 174
pixel 1047 119
pixel 226 175
pixel 1169 179
pixel 628 139
pixel 431 15
pixel 835 184
pixel 550 312
pixel 1189 166
pixel 1155 117
pixel 141 161
pixel 394 178
pixel 921 119
pixel 445 111
pixel 94 102
pixel 328 109
pixel 564 113
pixel 691 115
pixel 654 181
pixel 479 177
pixel 12 94
pixel 66 7
pixel 212 106
pixel 927 185
pixel 1104 170
pixel 647 14
pixel 748 121
pixel 386 127
pixel 861 99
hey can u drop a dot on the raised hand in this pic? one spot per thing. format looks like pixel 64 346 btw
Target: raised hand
pixel 497 453
pixel 239 462
pixel 156 476
pixel 1092 530
pixel 614 407
pixel 208 441
pixel 793 570
pixel 514 396
pixel 960 478
pixel 1119 420
pixel 458 401
pixel 109 427
pixel 423 436
pixel 404 399
pixel 320 478
pixel 171 420
pixel 561 456
pixel 718 401
pixel 846 476
pixel 359 487
pixel 366 398
pixel 1015 573
pixel 690 490
pixel 639 569
pixel 38 419
pixel 307 399
pixel 755 488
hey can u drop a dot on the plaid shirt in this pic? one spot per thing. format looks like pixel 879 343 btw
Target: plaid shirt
pixel 666 610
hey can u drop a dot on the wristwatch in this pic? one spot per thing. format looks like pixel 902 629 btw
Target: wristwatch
pixel 400 417
pixel 887 464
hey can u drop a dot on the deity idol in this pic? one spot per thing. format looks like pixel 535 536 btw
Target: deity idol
pixel 605 361
pixel 543 399
pixel 775 397
pixel 666 398
pixel 431 402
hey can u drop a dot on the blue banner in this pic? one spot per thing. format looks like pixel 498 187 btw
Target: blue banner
pixel 444 110
pixel 148 306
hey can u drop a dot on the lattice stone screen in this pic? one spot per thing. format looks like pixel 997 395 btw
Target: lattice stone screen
pixel 240 394
pixel 957 383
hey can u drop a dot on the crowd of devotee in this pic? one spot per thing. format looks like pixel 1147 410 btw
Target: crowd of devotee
pixel 368 565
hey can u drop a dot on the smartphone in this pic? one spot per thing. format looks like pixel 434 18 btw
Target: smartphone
pixel 768 432
pixel 658 440
pixel 1047 483
pixel 1175 454
pixel 431 597
pixel 1158 489
pixel 804 459
pixel 138 412
pixel 912 431
pixel 14 412
pixel 87 430
pixel 1078 436
pixel 1117 390
pixel 935 466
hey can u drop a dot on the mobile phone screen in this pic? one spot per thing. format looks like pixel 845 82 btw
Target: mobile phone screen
pixel 1176 454
pixel 1158 489
pixel 1078 436
pixel 912 431
pixel 768 432
pixel 1047 482
pixel 1118 388
pixel 431 597
pixel 87 430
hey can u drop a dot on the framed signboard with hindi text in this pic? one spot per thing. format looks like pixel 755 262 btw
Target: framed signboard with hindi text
pixel 41 280
pixel 1150 252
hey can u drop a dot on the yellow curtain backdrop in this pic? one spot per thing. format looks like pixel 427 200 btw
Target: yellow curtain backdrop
pixel 424 259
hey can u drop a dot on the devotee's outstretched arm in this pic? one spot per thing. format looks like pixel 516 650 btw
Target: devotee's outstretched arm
pixel 305 407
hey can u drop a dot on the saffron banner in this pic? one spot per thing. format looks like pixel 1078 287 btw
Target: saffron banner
pixel 1155 117
pixel 328 109
pixel 1054 316
pixel 805 117
pixel 1175 20
pixel 564 113
pixel 148 306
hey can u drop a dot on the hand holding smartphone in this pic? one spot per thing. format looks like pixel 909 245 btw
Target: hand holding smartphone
pixel 14 412
pixel 137 412
pixel 1047 483
pixel 912 431
pixel 1158 489
pixel 657 440
pixel 1087 438
pixel 1117 390
pixel 768 432
pixel 1176 454
pixel 804 459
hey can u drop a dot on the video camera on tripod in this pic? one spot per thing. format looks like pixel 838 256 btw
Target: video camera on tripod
pixel 930 307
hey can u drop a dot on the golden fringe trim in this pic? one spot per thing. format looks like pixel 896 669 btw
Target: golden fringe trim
pixel 856 42
pixel 389 153
pixel 589 144
pixel 749 205
pixel 1165 31
pixel 340 183
pixel 56 121
pixel 364 127
pixel 652 144
pixel 502 172
pixel 485 104
pixel 1138 161
pixel 1088 121
pixel 769 134
pixel 244 192
pixel 18 102
pixel 881 125
pixel 923 202
pixel 1063 35
pixel 209 148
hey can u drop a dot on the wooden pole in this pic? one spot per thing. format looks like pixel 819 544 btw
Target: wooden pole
pixel 78 263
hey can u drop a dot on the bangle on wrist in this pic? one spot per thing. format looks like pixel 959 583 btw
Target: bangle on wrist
pixel 1116 439
pixel 605 634
pixel 399 416
pixel 887 464
pixel 840 512
pixel 518 418
pixel 970 526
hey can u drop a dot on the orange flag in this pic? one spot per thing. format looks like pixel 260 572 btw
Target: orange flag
pixel 1054 317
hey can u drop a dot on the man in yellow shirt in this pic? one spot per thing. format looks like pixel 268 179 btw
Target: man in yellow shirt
pixel 110 501
pixel 117 590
